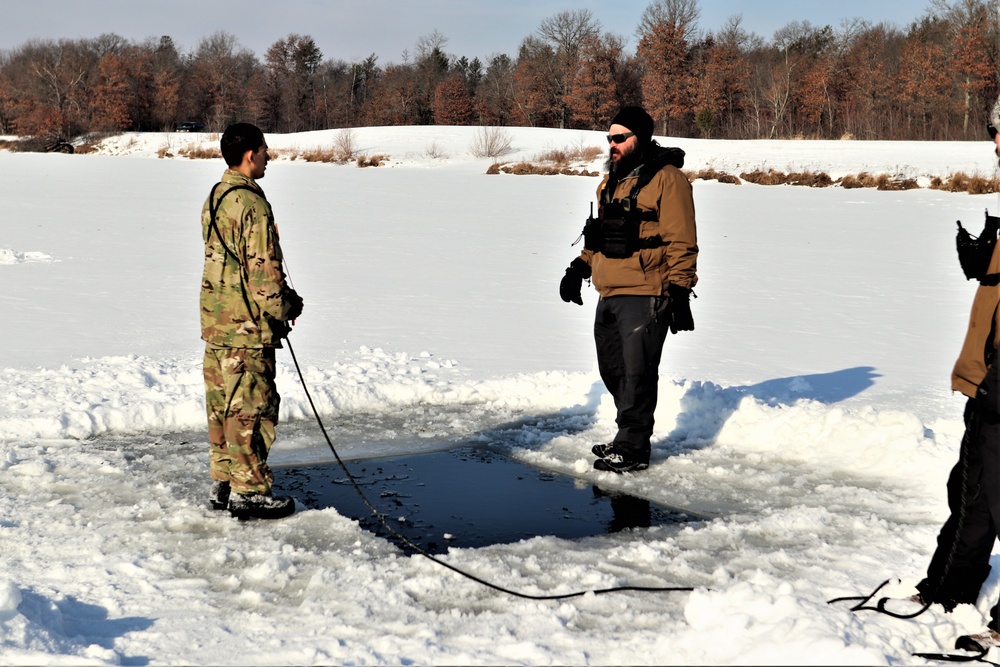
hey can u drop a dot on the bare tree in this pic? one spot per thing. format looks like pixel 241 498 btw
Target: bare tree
pixel 225 77
pixel 683 15
pixel 495 93
pixel 292 64
pixel 567 32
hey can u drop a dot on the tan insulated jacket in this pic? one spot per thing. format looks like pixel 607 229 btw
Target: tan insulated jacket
pixel 649 270
pixel 982 336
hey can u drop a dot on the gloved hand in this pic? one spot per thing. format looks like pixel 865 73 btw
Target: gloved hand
pixel 294 305
pixel 572 283
pixel 680 308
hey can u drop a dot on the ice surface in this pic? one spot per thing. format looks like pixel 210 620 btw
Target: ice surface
pixel 810 407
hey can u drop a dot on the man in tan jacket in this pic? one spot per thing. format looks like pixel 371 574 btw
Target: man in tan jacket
pixel 960 563
pixel 641 253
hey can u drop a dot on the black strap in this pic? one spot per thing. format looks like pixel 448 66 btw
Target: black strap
pixel 641 181
pixel 213 210
pixel 632 210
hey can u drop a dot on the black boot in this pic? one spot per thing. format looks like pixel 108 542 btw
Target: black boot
pixel 619 463
pixel 260 506
pixel 603 449
pixel 218 497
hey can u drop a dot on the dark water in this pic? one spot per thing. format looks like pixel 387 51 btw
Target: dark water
pixel 470 497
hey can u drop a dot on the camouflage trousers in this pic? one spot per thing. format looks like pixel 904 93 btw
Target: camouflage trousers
pixel 242 401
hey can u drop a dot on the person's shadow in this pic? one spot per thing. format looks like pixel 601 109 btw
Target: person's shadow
pixel 82 623
pixel 705 407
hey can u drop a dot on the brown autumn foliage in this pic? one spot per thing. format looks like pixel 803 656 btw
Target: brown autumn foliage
pixel 934 79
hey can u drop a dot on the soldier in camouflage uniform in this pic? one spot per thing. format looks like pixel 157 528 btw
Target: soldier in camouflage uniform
pixel 246 308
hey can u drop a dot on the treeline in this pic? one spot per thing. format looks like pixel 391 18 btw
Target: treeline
pixel 935 79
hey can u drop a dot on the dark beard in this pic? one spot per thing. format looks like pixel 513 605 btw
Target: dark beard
pixel 625 164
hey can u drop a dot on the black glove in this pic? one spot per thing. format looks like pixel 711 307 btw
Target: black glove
pixel 680 308
pixel 294 304
pixel 572 283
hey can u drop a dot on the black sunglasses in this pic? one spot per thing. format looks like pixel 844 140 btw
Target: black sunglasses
pixel 619 138
pixel 992 130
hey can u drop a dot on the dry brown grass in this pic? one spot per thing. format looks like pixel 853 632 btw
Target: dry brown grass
pixel 566 161
pixel 711 174
pixel 810 179
pixel 862 180
pixel 201 152
pixel 564 157
pixel 371 160
pixel 319 155
pixel 884 182
pixel 769 177
pixel 962 182
pixel 895 183
pixel 532 169
pixel 979 185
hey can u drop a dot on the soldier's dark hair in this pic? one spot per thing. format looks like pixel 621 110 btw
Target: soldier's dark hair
pixel 237 140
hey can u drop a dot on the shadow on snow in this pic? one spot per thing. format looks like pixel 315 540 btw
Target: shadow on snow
pixel 474 494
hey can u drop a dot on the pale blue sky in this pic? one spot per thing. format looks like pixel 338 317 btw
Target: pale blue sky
pixel 352 29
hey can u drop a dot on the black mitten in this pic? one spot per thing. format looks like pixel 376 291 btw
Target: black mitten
pixel 680 308
pixel 571 285
pixel 294 308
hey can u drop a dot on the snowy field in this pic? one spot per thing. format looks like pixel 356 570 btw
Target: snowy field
pixel 809 412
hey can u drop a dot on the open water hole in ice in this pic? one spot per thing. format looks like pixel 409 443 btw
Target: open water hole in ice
pixel 437 476
pixel 470 497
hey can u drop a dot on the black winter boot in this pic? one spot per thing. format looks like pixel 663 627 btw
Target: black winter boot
pixel 960 586
pixel 620 463
pixel 260 506
pixel 218 497
pixel 601 450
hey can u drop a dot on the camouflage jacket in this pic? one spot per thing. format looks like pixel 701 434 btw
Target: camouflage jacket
pixel 244 295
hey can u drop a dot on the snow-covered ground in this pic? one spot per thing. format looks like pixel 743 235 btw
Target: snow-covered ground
pixel 809 411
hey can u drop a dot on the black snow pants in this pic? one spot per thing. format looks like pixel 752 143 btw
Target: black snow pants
pixel 960 563
pixel 629 332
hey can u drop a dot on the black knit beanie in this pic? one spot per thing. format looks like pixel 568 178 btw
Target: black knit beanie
pixel 636 120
